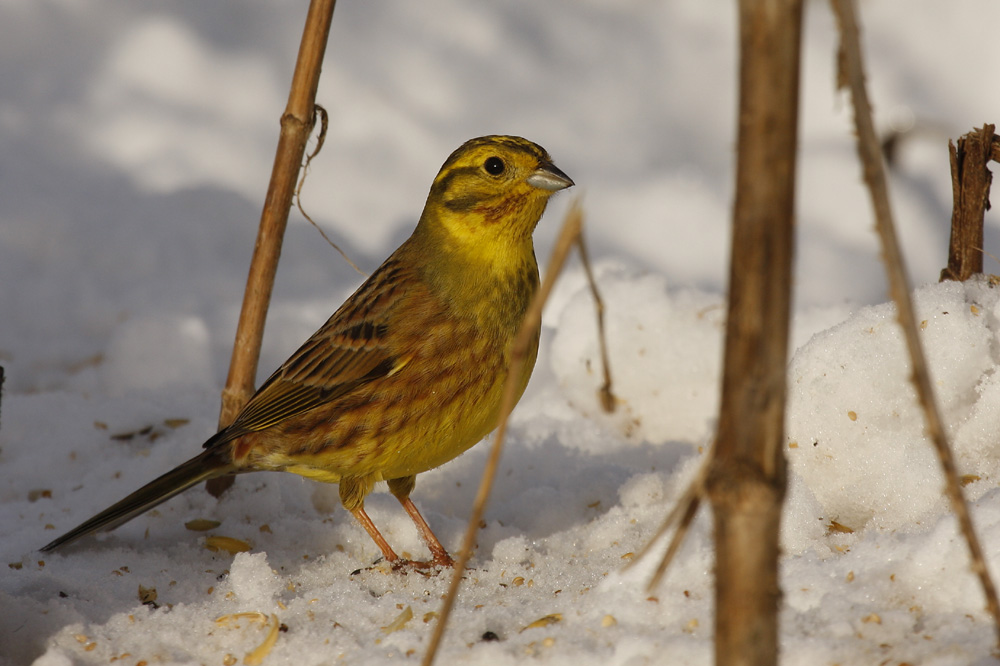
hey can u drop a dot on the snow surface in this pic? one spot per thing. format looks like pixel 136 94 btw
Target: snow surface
pixel 136 141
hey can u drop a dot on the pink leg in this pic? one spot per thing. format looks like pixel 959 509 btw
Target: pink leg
pixel 387 552
pixel 438 552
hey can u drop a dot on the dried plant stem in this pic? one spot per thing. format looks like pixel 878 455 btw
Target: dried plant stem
pixel 747 478
pixel 970 187
pixel 683 513
pixel 605 395
pixel 852 75
pixel 296 125
pixel 568 236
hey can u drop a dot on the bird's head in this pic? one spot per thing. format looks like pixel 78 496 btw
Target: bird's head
pixel 493 189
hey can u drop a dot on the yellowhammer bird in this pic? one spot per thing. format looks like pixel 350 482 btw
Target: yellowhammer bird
pixel 408 372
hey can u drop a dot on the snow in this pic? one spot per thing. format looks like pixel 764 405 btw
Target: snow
pixel 135 146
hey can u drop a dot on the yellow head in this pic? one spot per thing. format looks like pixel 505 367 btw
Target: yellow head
pixel 492 190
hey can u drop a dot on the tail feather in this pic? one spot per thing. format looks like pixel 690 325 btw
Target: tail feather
pixel 205 466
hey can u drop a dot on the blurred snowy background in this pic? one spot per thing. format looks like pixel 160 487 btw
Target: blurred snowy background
pixel 136 140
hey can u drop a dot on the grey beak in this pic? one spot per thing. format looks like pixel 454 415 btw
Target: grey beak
pixel 549 177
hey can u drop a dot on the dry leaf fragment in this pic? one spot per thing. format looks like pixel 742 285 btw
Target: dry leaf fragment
pixel 40 493
pixel 146 431
pixel 147 596
pixel 256 656
pixel 834 526
pixel 544 622
pixel 230 619
pixel 228 544
pixel 125 436
pixel 400 621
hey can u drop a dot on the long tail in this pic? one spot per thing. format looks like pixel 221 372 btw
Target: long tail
pixel 210 464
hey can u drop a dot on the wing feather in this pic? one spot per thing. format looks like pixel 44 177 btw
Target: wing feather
pixel 349 351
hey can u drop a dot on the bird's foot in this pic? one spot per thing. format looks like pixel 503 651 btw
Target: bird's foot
pixel 405 566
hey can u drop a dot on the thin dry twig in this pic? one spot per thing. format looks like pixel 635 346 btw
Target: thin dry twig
pixel 320 112
pixel 604 394
pixel 569 235
pixel 852 74
pixel 683 513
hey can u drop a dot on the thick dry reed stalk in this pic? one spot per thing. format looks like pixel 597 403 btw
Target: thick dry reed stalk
pixel 747 475
pixel 296 125
pixel 970 189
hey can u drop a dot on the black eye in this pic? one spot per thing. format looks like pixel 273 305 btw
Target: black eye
pixel 494 166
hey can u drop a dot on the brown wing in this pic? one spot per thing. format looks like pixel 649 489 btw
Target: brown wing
pixel 349 351
pixel 322 370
